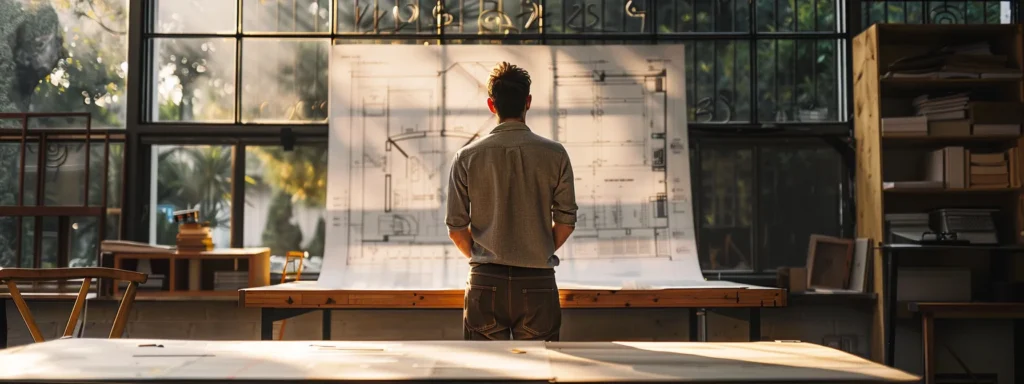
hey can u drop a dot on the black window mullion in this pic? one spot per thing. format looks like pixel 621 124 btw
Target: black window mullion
pixel 238 196
pixel 697 189
pixel 248 134
pixel 238 63
pixel 755 211
pixel 752 58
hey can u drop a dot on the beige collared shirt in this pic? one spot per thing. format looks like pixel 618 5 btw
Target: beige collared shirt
pixel 507 188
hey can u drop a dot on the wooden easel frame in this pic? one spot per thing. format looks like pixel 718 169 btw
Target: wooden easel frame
pixel 11 276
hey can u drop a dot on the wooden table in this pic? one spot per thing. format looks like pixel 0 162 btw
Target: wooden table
pixel 128 360
pixel 257 259
pixel 931 311
pixel 283 301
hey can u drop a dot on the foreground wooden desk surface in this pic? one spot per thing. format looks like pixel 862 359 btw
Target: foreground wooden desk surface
pixel 96 360
pixel 283 301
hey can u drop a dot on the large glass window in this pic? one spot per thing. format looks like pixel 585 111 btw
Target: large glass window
pixel 195 79
pixel 261 66
pixel 65 56
pixel 191 177
pixel 758 204
pixel 284 80
pixel 65 164
pixel 285 195
pixel 9 165
pixel 936 12
pixel 208 67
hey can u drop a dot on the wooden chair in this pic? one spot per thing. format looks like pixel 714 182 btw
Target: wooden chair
pixel 12 276
pixel 289 257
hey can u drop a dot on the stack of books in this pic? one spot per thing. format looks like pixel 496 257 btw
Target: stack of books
pixel 942 107
pixel 905 126
pixel 194 237
pixel 989 170
pixel 996 118
pixel 969 61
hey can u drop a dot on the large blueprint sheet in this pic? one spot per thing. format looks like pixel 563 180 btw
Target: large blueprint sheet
pixel 399 113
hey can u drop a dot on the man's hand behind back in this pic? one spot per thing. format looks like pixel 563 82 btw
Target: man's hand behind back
pixel 561 233
pixel 463 239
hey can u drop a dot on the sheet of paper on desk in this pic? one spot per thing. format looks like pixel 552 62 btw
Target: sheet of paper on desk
pixel 620 112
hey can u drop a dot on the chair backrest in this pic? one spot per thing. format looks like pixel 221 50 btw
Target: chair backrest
pixel 12 276
pixel 290 256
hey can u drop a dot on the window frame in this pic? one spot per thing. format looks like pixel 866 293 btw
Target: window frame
pixel 142 132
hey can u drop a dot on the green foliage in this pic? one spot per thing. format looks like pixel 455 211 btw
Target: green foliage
pixel 166 230
pixel 196 177
pixel 91 75
pixel 301 172
pixel 280 234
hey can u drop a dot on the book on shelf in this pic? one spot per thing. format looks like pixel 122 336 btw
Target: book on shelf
pixel 965 127
pixel 942 106
pixel 905 126
pixel 916 184
pixel 967 61
pixel 991 169
pixel 950 128
pixel 946 165
pixel 956 114
pixel 194 237
pixel 995 129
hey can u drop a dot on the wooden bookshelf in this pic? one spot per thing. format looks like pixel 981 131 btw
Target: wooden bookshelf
pixel 880 156
pixel 192 273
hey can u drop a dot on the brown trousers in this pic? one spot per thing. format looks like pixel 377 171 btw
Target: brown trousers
pixel 504 303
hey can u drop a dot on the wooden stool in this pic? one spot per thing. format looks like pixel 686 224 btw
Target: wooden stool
pixel 12 276
pixel 288 259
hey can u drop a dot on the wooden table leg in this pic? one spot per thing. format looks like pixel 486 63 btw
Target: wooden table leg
pixel 755 324
pixel 266 324
pixel 325 321
pixel 928 346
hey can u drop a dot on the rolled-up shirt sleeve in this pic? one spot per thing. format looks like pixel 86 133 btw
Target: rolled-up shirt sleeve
pixel 563 206
pixel 457 215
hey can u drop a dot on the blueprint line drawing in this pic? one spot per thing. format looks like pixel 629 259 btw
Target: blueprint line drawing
pixel 612 122
pixel 400 113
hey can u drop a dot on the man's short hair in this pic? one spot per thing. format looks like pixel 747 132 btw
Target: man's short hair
pixel 508 87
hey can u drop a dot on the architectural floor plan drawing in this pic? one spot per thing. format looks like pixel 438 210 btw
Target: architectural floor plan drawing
pixel 400 113
pixel 612 122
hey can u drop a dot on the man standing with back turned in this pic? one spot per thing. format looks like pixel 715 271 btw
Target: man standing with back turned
pixel 511 204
